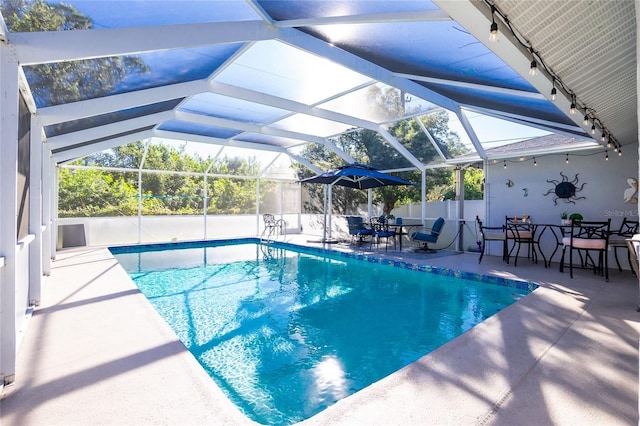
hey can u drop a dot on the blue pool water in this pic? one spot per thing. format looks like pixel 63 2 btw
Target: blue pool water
pixel 287 333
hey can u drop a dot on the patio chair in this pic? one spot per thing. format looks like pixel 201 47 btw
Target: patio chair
pixel 425 238
pixel 618 239
pixel 492 233
pixel 380 228
pixel 589 237
pixel 272 227
pixel 357 229
pixel 521 233
pixel 633 244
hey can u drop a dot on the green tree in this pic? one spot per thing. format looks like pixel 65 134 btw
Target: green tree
pixel 235 196
pixel 87 192
pixel 473 179
pixel 162 193
pixel 369 147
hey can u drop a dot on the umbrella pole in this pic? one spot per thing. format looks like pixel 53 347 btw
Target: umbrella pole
pixel 329 204
pixel 325 240
pixel 324 223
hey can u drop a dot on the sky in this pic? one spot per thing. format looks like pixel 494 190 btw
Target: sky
pixel 492 131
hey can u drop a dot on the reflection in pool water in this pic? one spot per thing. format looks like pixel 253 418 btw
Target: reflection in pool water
pixel 288 333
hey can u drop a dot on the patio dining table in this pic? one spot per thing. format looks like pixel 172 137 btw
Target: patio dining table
pixel 554 230
pixel 403 228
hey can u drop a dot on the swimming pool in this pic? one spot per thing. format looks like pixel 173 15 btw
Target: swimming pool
pixel 287 331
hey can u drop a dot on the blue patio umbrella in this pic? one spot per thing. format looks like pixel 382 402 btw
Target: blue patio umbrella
pixel 354 175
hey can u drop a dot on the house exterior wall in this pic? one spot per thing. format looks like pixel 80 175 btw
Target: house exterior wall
pixel 602 184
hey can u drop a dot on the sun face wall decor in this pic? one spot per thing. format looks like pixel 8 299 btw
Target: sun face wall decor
pixel 565 190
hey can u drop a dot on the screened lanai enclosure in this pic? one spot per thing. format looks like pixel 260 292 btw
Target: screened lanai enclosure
pixel 187 191
pixel 130 111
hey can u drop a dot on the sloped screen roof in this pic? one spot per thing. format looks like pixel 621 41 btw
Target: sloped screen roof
pixel 270 74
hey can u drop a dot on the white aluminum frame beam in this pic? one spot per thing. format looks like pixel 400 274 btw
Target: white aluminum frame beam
pixel 92 107
pixel 9 115
pixel 118 127
pixel 88 149
pixel 369 18
pixel 56 46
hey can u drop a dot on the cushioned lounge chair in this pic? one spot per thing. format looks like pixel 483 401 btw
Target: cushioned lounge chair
pixel 425 238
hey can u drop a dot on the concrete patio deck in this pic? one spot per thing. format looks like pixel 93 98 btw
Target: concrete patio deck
pixel 96 352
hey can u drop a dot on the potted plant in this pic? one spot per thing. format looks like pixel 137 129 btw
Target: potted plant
pixel 391 219
pixel 565 218
pixel 575 216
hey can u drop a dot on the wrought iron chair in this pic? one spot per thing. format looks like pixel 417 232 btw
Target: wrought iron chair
pixel 272 227
pixel 380 228
pixel 521 233
pixel 357 229
pixel 492 233
pixel 589 237
pixel 618 239
pixel 425 238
